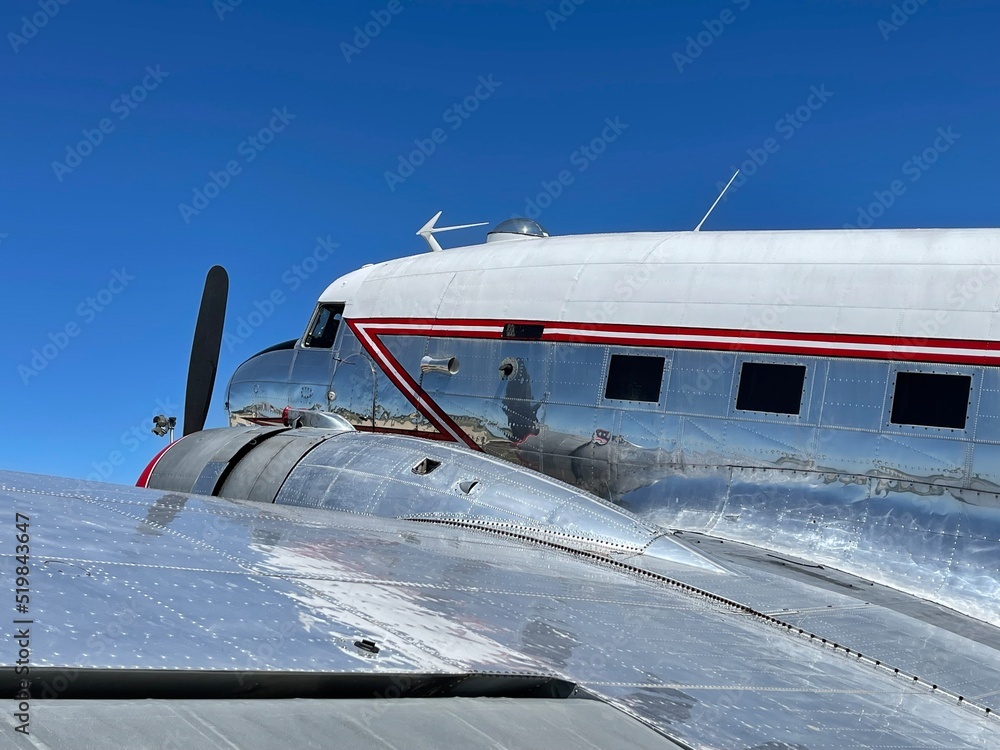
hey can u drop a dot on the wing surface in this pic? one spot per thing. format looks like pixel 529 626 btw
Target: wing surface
pixel 764 653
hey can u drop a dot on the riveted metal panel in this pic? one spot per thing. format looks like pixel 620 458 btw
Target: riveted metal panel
pixel 855 394
pixel 988 412
pixel 701 383
pixel 293 588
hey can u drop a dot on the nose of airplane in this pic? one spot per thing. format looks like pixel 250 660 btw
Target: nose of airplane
pixel 259 388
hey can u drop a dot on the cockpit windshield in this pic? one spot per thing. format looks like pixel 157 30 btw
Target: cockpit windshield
pixel 323 331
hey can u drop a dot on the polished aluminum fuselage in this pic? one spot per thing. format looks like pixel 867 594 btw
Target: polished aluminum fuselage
pixel 840 483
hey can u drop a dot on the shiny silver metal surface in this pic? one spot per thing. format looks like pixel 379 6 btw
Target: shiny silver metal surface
pixel 264 385
pixel 516 227
pixel 917 508
pixel 914 507
pixel 445 365
pixel 323 420
pixel 825 485
pixel 400 477
pixel 403 477
pixel 149 580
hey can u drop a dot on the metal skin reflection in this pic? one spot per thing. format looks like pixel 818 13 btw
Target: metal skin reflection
pixel 251 592
pixel 914 507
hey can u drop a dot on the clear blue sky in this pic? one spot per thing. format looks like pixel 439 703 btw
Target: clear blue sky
pixel 838 96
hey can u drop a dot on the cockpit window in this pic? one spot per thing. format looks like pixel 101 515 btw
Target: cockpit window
pixel 323 331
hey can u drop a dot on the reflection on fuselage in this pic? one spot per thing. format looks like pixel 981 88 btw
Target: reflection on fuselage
pixel 837 482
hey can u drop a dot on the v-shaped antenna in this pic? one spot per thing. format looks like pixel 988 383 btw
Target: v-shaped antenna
pixel 428 230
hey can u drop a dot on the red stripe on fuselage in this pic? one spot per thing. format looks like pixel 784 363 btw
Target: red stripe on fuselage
pixel 409 387
pixel 859 346
pixel 865 346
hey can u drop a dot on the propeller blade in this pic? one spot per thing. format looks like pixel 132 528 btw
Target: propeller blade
pixel 205 349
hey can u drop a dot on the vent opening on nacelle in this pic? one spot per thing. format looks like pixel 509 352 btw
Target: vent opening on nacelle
pixel 426 466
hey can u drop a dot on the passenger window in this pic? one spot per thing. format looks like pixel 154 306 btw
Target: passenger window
pixel 527 331
pixel 771 388
pixel 931 400
pixel 633 378
pixel 323 331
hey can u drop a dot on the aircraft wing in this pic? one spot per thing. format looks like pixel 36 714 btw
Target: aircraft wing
pixel 165 619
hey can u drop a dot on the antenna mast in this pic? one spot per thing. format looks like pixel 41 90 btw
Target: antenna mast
pixel 428 230
pixel 698 228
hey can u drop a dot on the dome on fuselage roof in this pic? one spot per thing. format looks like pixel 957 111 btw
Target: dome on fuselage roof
pixel 514 228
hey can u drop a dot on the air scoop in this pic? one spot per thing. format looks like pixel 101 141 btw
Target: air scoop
pixel 402 477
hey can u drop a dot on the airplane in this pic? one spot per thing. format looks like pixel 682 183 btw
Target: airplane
pixel 811 392
pixel 671 489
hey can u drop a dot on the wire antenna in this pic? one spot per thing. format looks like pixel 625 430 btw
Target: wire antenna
pixel 698 228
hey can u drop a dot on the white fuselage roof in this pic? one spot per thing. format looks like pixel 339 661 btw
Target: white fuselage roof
pixel 939 283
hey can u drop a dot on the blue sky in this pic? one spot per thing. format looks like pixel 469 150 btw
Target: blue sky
pixel 144 142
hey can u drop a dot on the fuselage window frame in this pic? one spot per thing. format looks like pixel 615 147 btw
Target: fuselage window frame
pixel 523 331
pixel 931 400
pixel 770 388
pixel 631 378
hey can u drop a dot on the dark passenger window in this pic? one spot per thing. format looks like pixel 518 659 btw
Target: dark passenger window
pixel 772 388
pixel 931 400
pixel 632 378
pixel 324 328
pixel 523 331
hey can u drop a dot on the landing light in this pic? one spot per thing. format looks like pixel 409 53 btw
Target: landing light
pixel 163 424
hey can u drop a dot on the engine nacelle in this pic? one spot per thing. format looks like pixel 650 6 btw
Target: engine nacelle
pixel 401 477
